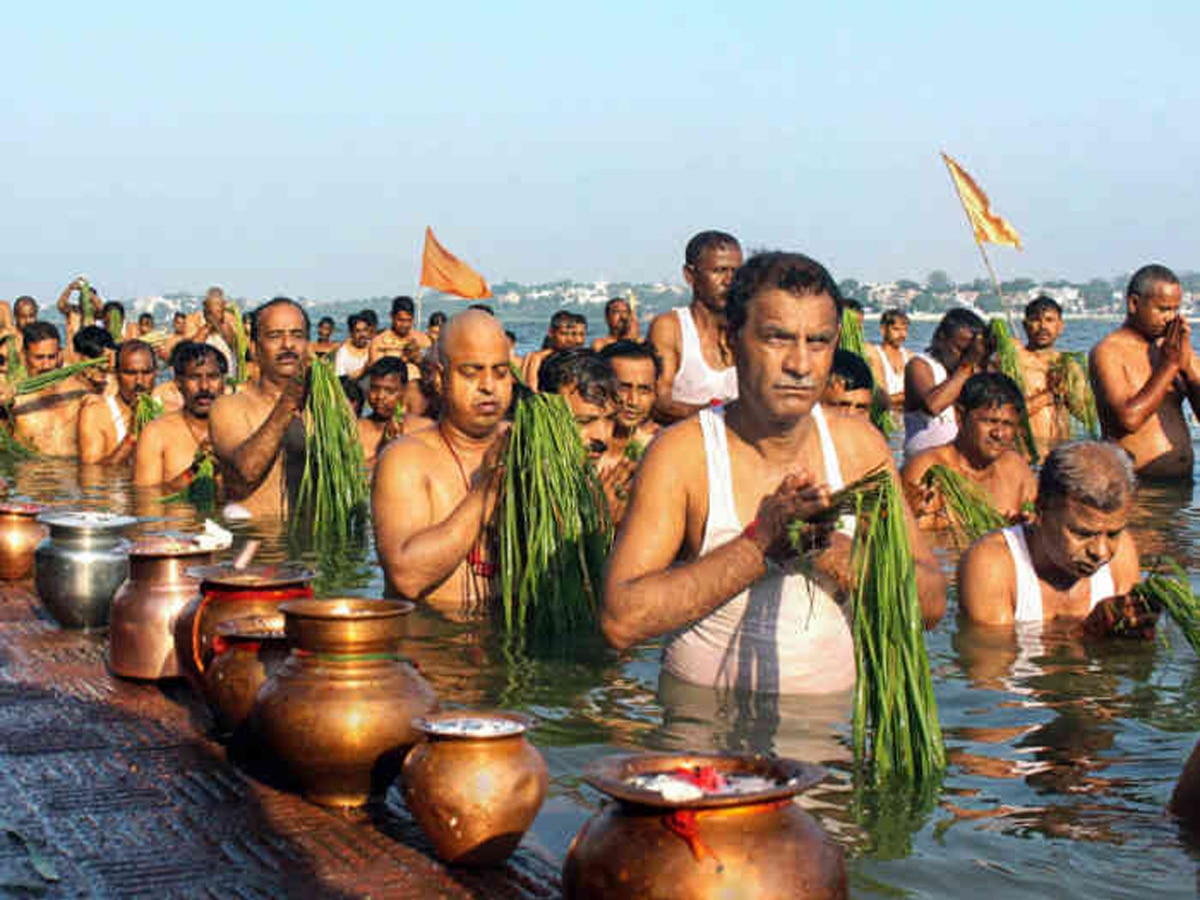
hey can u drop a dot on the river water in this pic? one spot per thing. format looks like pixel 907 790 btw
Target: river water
pixel 1062 757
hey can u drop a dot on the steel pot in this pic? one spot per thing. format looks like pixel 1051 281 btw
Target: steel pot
pixel 338 713
pixel 20 533
pixel 79 567
pixel 758 844
pixel 246 652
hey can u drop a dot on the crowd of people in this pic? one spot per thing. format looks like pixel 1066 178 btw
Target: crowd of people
pixel 736 416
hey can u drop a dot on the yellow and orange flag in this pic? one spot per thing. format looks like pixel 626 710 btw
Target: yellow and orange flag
pixel 989 227
pixel 445 272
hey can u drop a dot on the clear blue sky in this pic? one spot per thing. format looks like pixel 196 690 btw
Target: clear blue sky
pixel 302 148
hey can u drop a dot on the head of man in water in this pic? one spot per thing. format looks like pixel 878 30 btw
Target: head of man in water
pixel 179 323
pixel 93 342
pixel 214 305
pixel 403 310
pixel 135 370
pixel 954 335
pixel 200 375
pixel 893 327
pixel 1152 300
pixel 1085 494
pixel 387 377
pixel 709 262
pixel 784 314
pixel 360 331
pixel 851 385
pixel 279 331
pixel 585 380
pixel 989 410
pixel 325 330
pixel 636 367
pixel 617 316
pixel 43 347
pixel 561 333
pixel 476 380
pixel 434 328
pixel 25 311
pixel 1043 322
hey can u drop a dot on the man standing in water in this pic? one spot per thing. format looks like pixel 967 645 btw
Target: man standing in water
pixel 684 563
pixel 889 357
pixel 106 422
pixel 217 329
pixel 48 420
pixel 1045 397
pixel 559 336
pixel 934 379
pixel 353 356
pixel 387 378
pixel 434 491
pixel 691 341
pixel 395 341
pixel 636 368
pixel 1141 374
pixel 258 435
pixel 168 447
pixel 1077 562
pixel 622 326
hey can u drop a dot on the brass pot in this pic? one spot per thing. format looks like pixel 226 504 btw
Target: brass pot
pixel 227 593
pixel 246 652
pixel 144 609
pixel 754 845
pixel 474 795
pixel 338 712
pixel 20 533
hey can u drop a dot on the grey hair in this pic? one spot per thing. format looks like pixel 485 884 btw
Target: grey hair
pixel 1095 473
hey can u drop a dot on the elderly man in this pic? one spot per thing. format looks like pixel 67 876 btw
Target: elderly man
pixel 636 368
pixel 697 361
pixel 933 380
pixel 1141 374
pixel 1077 562
pixel 170 446
pixel 258 434
pixel 106 422
pixel 48 420
pixel 698 555
pixel 989 413
pixel 434 491
pixel 217 328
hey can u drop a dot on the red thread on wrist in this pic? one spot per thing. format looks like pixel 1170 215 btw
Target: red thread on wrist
pixel 750 530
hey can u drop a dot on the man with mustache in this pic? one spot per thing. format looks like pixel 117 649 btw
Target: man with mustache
pixel 48 420
pixel 989 412
pixel 258 434
pixel 1141 374
pixel 1046 395
pixel 434 491
pixel 703 554
pixel 354 355
pixel 106 427
pixel 170 446
pixel 636 368
pixel 934 379
pixel 622 326
pixel 691 341
pixel 1076 562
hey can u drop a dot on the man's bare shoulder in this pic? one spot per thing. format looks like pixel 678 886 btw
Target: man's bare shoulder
pixel 920 463
pixel 664 329
pixel 415 450
pixel 1120 341
pixel 859 444
pixel 988 555
pixel 164 427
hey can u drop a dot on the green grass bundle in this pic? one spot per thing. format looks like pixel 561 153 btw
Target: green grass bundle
pixel 1172 591
pixel 15 363
pixel 87 303
pixel 635 450
pixel 332 502
pixel 145 411
pixel 36 383
pixel 881 414
pixel 968 506
pixel 1070 371
pixel 852 337
pixel 12 448
pixel 1010 364
pixel 202 489
pixel 115 324
pixel 552 523
pixel 239 338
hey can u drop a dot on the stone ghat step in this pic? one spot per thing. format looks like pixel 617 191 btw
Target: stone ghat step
pixel 124 794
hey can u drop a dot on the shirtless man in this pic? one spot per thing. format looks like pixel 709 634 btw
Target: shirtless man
pixel 387 379
pixel 395 341
pixel 1045 397
pixel 354 355
pixel 685 564
pixel 560 335
pixel 179 332
pixel 73 312
pixel 325 344
pixel 1076 563
pixel 258 435
pixel 217 328
pixel 889 357
pixel 989 413
pixel 24 312
pixel 170 446
pixel 933 380
pixel 851 386
pixel 434 329
pixel 622 326
pixel 434 491
pixel 1141 374
pixel 93 342
pixel 47 420
pixel 697 361
pixel 106 427
pixel 636 368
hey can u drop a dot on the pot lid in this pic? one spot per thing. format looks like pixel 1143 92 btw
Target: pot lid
pixel 17 508
pixel 765 779
pixel 473 725
pixel 258 575
pixel 169 545
pixel 86 520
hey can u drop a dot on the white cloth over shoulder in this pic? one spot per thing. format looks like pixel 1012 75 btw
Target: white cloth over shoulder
pixel 695 382
pixel 1029 589
pixel 921 430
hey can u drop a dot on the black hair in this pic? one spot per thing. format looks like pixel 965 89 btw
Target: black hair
pixel 613 302
pixel 792 272
pixel 36 332
pixel 110 305
pixel 988 389
pixel 370 317
pixel 90 341
pixel 179 314
pixel 590 373
pixel 956 320
pixel 277 301
pixel 705 240
pixel 579 319
pixel 852 371
pixel 24 298
pixel 133 346
pixel 511 335
pixel 851 303
pixel 482 307
pixel 353 319
pixel 388 365
pixel 187 353
pixel 561 319
pixel 146 317
pixel 626 349
pixel 403 304
pixel 1040 304
pixel 893 315
pixel 326 320
pixel 1147 278
pixel 438 319
pixel 353 393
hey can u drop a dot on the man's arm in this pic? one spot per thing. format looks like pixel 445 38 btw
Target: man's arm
pixel 985 582
pixel 665 337
pixel 245 454
pixel 930 397
pixel 1129 407
pixel 93 439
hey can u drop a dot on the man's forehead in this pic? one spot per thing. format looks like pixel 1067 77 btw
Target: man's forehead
pixel 720 254
pixel 628 368
pixel 282 315
pixel 776 304
pixel 1079 512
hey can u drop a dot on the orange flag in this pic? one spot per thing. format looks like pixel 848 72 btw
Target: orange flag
pixel 445 272
pixel 988 226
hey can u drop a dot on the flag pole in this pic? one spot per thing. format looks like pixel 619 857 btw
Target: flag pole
pixel 978 243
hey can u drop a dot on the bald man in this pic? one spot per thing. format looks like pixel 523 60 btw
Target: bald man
pixel 434 490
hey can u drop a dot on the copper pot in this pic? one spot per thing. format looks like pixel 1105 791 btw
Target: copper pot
pixel 144 609
pixel 246 652
pixel 474 795
pixel 20 533
pixel 759 844
pixel 227 593
pixel 338 712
